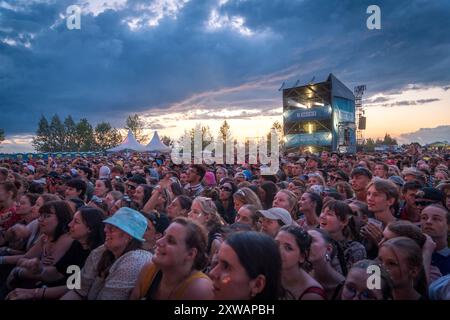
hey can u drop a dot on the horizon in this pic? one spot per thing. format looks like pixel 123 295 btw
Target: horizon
pixel 178 63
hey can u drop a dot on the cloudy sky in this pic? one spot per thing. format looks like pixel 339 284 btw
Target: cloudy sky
pixel 182 62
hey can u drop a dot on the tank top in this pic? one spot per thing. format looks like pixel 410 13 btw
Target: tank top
pixel 152 279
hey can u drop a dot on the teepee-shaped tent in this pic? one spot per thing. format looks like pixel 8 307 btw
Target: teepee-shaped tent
pixel 156 145
pixel 129 144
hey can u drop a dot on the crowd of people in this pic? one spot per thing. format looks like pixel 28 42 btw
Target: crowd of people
pixel 141 227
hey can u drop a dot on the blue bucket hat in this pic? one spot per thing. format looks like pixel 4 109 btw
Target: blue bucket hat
pixel 129 221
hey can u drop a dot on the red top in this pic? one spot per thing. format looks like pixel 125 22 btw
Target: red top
pixel 8 218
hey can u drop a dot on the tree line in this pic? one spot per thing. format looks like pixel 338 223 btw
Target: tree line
pixel 68 135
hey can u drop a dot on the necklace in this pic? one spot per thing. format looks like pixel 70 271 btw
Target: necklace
pixel 177 286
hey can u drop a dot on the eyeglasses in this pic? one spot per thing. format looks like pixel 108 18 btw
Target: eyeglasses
pixel 110 228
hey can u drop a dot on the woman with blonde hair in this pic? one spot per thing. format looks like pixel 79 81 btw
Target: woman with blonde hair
pixel 246 196
pixel 287 200
pixel 204 211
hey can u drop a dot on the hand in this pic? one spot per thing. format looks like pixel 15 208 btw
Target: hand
pixel 21 294
pixel 429 245
pixel 33 265
pixel 372 232
pixel 5 217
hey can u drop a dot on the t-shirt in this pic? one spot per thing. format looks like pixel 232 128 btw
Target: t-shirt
pixel 195 190
pixel 441 259
pixel 76 255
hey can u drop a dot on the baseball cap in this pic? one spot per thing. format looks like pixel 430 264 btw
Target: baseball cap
pixel 361 171
pixel 397 180
pixel 277 214
pixel 431 194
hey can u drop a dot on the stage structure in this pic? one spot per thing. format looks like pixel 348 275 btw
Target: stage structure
pixel 360 114
pixel 319 116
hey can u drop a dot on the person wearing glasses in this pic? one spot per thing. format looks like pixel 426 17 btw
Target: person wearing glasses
pixel 225 204
pixel 195 176
pixel 111 270
pixel 355 286
pixel 133 183
pixel 54 220
pixel 86 228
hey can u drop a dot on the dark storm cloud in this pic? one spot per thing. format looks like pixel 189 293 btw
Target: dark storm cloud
pixel 106 71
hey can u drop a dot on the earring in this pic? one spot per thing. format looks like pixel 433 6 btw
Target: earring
pixel 327 257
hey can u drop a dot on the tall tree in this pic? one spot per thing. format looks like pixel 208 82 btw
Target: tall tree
pixel 106 136
pixel 369 145
pixel 224 130
pixel 206 135
pixel 57 134
pixel 388 140
pixel 85 136
pixel 225 134
pixel 70 131
pixel 278 127
pixel 41 142
pixel 136 125
pixel 167 140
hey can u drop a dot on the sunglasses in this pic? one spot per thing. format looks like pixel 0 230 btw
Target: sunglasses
pixel 226 189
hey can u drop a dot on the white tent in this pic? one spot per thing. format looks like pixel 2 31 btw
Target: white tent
pixel 156 145
pixel 130 143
